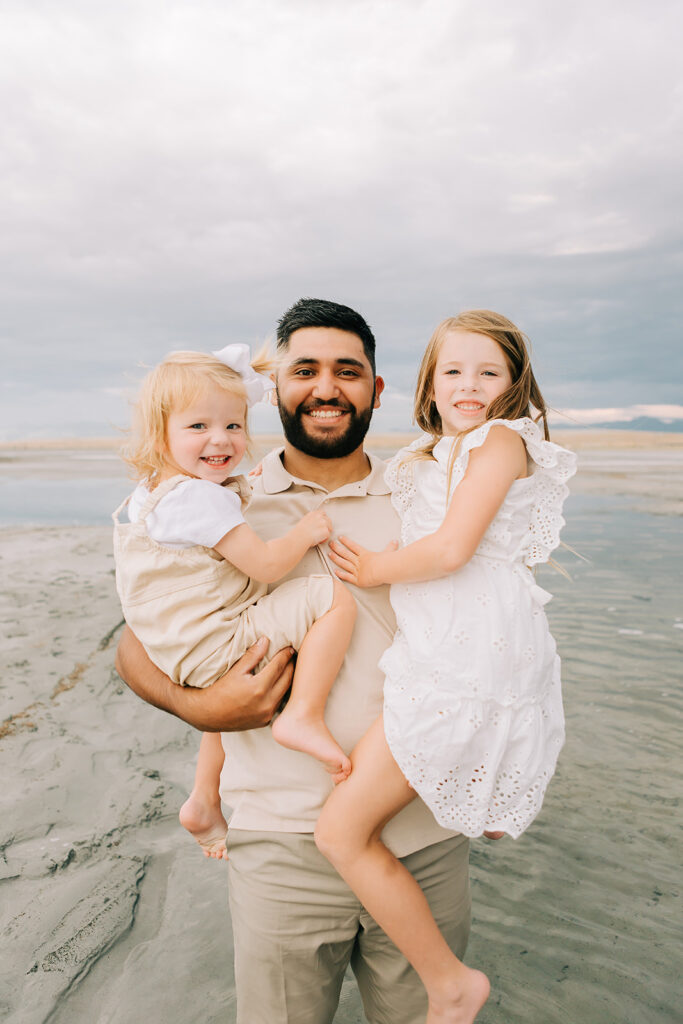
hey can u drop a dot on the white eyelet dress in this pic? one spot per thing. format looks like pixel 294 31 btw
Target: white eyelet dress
pixel 472 700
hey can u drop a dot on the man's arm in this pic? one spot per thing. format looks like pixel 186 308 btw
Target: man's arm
pixel 236 701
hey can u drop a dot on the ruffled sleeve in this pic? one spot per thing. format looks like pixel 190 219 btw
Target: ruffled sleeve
pixel 552 467
pixel 400 478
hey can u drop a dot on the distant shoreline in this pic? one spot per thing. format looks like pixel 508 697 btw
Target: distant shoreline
pixel 642 466
pixel 578 439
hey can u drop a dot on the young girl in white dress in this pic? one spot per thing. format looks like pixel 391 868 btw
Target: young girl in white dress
pixel 472 719
pixel 192 575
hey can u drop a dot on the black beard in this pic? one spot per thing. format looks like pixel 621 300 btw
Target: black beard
pixel 321 447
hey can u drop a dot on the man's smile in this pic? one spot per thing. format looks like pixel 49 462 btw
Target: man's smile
pixel 326 414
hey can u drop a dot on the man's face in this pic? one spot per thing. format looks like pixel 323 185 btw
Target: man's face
pixel 326 392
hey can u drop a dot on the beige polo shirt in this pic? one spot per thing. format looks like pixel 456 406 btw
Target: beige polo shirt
pixel 271 788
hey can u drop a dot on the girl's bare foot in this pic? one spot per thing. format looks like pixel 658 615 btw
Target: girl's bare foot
pixel 298 731
pixel 205 821
pixel 494 835
pixel 463 1003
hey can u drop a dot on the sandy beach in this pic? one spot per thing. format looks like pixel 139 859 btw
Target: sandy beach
pixel 111 916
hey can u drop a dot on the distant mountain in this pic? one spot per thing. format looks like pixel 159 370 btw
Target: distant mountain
pixel 639 423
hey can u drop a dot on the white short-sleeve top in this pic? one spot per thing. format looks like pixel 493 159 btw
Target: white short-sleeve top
pixel 194 512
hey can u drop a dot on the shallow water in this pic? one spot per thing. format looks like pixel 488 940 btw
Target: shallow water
pixel 580 919
pixel 66 488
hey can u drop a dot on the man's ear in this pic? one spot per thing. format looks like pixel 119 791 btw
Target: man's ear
pixel 272 395
pixel 379 388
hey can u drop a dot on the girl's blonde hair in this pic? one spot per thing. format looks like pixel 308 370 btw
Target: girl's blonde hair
pixel 171 387
pixel 523 395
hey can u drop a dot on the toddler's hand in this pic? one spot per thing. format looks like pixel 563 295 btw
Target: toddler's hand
pixel 316 527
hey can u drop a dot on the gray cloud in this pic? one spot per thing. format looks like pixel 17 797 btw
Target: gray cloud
pixel 177 174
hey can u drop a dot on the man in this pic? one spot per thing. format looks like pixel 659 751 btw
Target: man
pixel 296 924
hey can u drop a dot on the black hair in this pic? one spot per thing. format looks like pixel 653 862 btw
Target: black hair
pixel 323 313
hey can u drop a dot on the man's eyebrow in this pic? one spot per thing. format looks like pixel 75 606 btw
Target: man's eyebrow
pixel 348 361
pixel 342 361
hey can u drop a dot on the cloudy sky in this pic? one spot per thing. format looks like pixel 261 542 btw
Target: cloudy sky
pixel 176 174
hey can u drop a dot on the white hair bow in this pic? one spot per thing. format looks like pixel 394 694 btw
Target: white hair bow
pixel 237 357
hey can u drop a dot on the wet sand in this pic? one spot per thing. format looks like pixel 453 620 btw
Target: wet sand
pixel 110 915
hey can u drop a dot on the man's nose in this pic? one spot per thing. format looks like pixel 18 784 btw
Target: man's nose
pixel 326 386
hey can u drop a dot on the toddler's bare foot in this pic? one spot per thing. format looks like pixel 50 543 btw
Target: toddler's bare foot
pixel 311 736
pixel 463 1003
pixel 494 835
pixel 205 821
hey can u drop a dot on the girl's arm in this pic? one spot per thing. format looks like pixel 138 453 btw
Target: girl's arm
pixel 491 470
pixel 267 561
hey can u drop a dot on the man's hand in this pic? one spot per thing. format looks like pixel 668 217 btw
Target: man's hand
pixel 236 701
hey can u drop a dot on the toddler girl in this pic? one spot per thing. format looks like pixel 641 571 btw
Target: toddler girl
pixel 473 719
pixel 192 575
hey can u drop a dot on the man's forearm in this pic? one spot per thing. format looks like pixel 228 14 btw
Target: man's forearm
pixel 142 675
pixel 239 700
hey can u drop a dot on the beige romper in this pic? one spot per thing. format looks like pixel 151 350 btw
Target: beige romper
pixel 194 612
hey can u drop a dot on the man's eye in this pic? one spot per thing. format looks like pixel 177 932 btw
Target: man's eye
pixel 303 372
pixel 348 373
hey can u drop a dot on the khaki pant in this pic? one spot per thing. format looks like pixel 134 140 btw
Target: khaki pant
pixel 297 926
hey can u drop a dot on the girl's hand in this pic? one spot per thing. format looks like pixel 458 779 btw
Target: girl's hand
pixel 356 564
pixel 256 470
pixel 316 527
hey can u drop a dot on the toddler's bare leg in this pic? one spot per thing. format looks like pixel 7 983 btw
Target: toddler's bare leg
pixel 348 834
pixel 201 813
pixel 301 726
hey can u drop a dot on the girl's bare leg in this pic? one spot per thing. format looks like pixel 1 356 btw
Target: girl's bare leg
pixel 201 813
pixel 348 834
pixel 301 726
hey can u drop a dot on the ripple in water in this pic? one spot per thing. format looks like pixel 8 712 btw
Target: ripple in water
pixel 580 919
